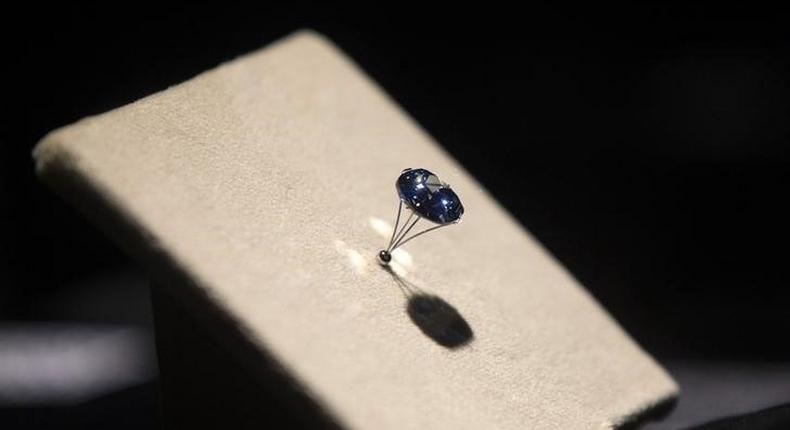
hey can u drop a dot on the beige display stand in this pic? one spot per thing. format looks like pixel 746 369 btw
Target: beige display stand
pixel 258 195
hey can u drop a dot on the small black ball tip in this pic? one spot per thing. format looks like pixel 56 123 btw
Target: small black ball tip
pixel 385 257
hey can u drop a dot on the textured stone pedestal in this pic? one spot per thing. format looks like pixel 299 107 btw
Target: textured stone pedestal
pixel 258 195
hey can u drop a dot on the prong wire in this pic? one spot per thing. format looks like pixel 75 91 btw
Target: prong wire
pixel 397 221
pixel 401 236
pixel 400 232
pixel 398 237
pixel 402 242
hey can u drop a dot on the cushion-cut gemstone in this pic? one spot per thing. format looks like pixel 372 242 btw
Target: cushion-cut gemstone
pixel 415 185
pixel 443 206
pixel 429 197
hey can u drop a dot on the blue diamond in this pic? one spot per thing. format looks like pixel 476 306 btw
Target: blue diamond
pixel 429 197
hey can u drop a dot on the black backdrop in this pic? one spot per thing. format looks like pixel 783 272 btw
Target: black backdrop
pixel 645 146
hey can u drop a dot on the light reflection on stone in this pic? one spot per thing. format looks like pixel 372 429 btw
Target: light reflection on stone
pixel 403 257
pixel 355 259
pixel 381 227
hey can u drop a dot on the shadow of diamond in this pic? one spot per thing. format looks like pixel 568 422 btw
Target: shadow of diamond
pixel 436 318
pixel 439 320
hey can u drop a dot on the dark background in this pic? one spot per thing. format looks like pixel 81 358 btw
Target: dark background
pixel 645 146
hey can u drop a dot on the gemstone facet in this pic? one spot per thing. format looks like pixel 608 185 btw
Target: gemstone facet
pixel 429 197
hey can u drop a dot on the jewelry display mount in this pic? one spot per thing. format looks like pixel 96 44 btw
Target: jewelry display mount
pixel 258 195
